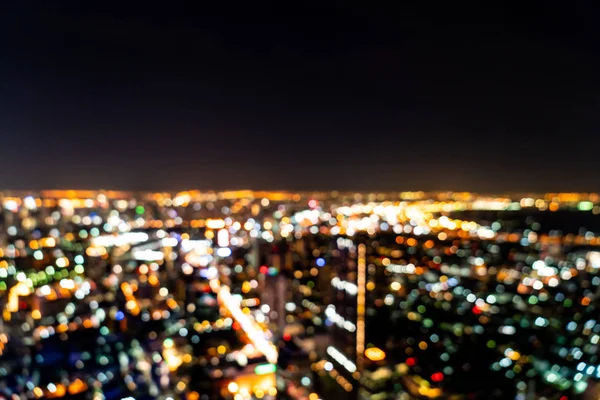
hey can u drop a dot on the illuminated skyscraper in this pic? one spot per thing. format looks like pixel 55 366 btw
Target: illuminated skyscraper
pixel 345 316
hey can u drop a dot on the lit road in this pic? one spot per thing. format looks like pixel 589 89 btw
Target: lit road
pixel 249 326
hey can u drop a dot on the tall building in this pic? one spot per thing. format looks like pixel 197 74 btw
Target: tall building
pixel 359 286
pixel 345 317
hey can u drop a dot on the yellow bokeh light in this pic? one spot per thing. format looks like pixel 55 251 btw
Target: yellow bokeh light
pixel 375 354
pixel 232 387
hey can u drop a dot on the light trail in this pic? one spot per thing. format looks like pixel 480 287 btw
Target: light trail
pixel 250 328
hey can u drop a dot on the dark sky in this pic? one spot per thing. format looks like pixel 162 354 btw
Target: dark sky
pixel 429 95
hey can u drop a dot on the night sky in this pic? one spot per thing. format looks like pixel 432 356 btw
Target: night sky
pixel 428 96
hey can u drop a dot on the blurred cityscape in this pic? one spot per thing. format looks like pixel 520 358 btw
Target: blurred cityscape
pixel 262 295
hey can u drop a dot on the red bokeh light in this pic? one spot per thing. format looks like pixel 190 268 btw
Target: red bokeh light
pixel 437 377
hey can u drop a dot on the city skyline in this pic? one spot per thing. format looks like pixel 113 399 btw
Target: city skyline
pixel 247 295
pixel 299 201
